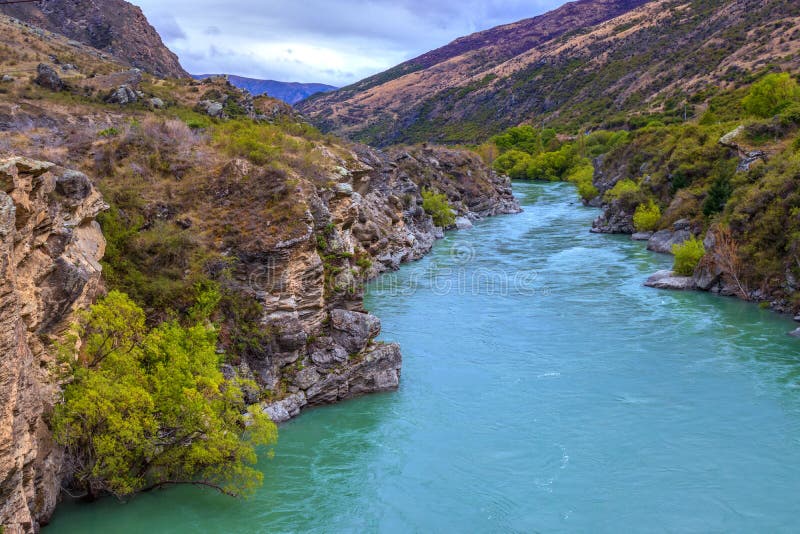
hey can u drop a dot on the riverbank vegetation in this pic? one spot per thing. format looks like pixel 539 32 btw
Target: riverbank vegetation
pixel 149 407
pixel 734 167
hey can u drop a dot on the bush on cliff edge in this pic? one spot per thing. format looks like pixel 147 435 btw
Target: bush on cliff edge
pixel 149 407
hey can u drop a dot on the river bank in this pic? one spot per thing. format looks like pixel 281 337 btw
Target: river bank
pixel 574 399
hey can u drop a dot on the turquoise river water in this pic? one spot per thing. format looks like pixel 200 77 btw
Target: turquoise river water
pixel 544 390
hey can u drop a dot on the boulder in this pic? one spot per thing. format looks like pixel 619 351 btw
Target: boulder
pixel 354 330
pixel 73 185
pixel 795 333
pixel 642 236
pixel 48 78
pixel 283 410
pixel 669 280
pixel 123 95
pixel 211 108
pixel 463 223
pixel 6 78
pixel 664 240
pixel 156 103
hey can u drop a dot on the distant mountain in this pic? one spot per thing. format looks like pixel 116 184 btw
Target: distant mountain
pixel 113 26
pixel 587 62
pixel 289 92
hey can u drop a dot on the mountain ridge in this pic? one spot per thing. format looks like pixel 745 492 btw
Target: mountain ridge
pixel 610 62
pixel 113 26
pixel 289 92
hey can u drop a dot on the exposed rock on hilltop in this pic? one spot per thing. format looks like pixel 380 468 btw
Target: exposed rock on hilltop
pixel 114 26
pixel 583 63
pixel 50 247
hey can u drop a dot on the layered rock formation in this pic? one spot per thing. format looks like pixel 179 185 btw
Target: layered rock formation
pixel 310 287
pixel 50 246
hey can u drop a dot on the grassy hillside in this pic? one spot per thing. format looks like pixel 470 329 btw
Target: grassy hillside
pixel 665 58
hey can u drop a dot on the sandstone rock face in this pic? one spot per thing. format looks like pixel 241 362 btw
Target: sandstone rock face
pixel 368 221
pixel 50 246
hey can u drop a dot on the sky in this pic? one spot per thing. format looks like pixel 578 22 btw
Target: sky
pixel 337 42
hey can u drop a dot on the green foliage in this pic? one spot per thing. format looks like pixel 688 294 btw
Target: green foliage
pixel 771 95
pixel 582 175
pixel 513 159
pixel 688 256
pixel 437 206
pixel 109 132
pixel 718 195
pixel 149 407
pixel 647 217
pixel 150 264
pixel 550 166
pixel 520 138
pixel 624 190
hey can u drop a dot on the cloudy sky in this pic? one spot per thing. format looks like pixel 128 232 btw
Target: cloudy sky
pixel 328 41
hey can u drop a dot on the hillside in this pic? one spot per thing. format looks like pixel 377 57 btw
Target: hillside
pixel 212 200
pixel 585 63
pixel 116 27
pixel 289 92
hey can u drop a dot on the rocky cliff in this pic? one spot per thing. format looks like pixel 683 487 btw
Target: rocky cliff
pixel 113 26
pixel 367 220
pixel 50 246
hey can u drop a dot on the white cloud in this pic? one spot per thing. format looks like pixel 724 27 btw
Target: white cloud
pixel 320 40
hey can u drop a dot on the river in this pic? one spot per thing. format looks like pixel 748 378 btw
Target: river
pixel 544 389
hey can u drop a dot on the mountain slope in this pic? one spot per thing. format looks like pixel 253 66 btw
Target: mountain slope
pixel 289 92
pixel 583 63
pixel 114 26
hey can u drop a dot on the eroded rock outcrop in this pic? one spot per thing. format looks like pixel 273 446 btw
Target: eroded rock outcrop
pixel 50 246
pixel 368 219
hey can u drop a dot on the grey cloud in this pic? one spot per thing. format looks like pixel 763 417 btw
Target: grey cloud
pixel 321 40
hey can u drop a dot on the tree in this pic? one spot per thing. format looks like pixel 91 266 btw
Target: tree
pixel 151 408
pixel 718 195
pixel 771 95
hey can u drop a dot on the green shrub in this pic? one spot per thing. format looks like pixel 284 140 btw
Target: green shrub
pixel 437 206
pixel 582 175
pixel 624 189
pixel 109 132
pixel 718 195
pixel 771 95
pixel 647 217
pixel 150 407
pixel 688 256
